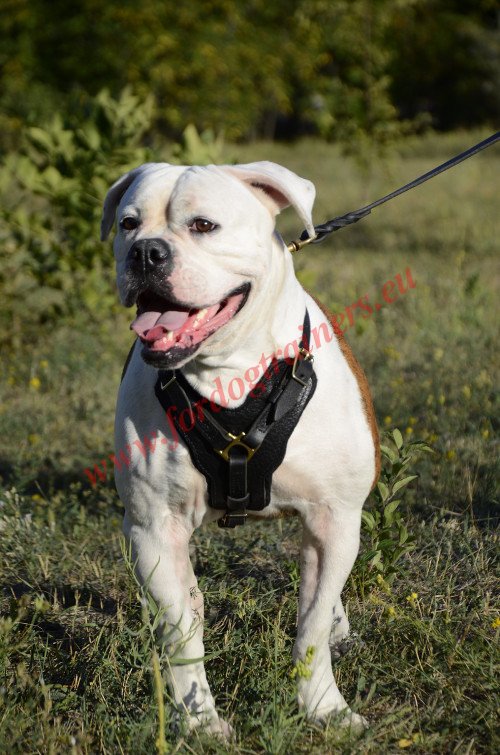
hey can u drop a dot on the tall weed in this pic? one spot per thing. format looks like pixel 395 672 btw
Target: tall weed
pixel 383 521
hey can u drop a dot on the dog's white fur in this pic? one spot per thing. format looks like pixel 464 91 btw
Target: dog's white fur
pixel 329 465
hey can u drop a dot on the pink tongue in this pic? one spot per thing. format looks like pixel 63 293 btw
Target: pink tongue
pixel 172 320
pixel 145 322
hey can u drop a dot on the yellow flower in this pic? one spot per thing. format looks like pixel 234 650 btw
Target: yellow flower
pixel 412 598
pixel 451 454
pixel 483 380
pixel 35 383
pixel 495 624
pixel 44 364
pixel 41 604
pixel 392 353
pixel 36 497
pixel 412 421
pixel 485 433
pixel 383 584
pixel 33 439
pixel 466 391
pixel 409 430
pixel 438 354
pixel 387 420
pixel 403 743
pixel 442 399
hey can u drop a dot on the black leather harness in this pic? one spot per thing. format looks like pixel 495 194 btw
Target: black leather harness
pixel 237 450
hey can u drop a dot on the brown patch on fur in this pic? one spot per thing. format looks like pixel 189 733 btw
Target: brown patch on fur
pixel 364 388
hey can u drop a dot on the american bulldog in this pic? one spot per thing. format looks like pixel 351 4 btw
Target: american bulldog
pixel 197 252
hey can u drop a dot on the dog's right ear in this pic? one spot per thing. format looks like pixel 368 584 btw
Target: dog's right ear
pixel 281 186
pixel 113 197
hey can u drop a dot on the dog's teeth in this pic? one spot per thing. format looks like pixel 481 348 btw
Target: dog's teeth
pixel 199 317
pixel 168 337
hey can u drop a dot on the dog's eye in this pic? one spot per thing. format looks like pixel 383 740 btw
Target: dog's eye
pixel 129 223
pixel 202 225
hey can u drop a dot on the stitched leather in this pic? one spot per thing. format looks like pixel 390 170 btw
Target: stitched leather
pixel 276 402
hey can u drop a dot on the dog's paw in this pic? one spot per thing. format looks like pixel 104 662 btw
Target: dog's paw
pixel 211 723
pixel 339 647
pixel 221 729
pixel 354 722
pixel 345 719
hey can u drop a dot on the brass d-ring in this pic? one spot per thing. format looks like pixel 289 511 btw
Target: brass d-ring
pixel 236 441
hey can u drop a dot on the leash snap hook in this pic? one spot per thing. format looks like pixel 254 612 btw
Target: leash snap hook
pixel 296 246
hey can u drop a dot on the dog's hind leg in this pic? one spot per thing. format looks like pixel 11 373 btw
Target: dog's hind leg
pixel 329 548
pixel 161 562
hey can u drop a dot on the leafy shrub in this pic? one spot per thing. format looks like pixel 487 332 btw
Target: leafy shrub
pixel 51 195
pixel 198 149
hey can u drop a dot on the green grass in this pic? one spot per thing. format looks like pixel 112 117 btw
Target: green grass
pixel 76 655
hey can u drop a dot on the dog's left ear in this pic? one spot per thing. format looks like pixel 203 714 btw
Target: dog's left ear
pixel 281 185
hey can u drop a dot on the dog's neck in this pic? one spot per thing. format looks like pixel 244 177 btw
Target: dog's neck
pixel 258 338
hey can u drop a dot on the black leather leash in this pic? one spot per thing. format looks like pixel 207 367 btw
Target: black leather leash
pixel 322 231
pixel 240 449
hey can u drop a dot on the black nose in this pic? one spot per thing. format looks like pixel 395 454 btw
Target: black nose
pixel 148 254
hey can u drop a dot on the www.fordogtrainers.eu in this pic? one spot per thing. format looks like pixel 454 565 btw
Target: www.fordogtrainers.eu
pixel 237 387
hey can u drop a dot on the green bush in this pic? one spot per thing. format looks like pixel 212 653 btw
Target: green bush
pixel 51 193
pixel 51 196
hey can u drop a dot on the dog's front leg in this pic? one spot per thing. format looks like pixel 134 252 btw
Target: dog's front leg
pixel 329 548
pixel 161 562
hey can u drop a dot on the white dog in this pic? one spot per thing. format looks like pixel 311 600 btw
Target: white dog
pixel 219 307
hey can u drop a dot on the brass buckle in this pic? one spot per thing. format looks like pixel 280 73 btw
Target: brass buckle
pixel 305 354
pixel 236 441
pixel 232 519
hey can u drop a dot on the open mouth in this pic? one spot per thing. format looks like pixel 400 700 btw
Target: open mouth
pixel 163 326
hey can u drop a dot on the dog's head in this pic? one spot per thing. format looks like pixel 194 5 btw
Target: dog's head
pixel 192 244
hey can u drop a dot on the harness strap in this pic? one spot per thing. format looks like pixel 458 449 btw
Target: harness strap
pixel 287 398
pixel 238 497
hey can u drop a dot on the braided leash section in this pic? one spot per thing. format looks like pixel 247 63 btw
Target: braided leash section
pixel 335 224
pixel 322 231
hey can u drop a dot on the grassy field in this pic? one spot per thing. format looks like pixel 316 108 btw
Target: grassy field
pixel 76 651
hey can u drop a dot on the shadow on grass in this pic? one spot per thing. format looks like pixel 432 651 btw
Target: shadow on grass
pixel 66 638
pixel 66 595
pixel 47 480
